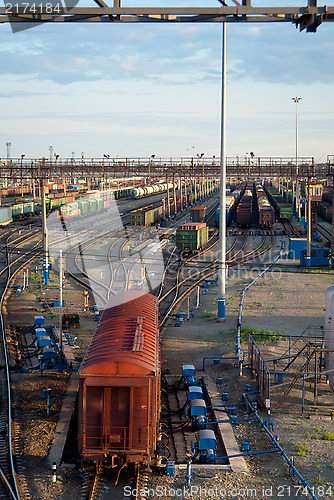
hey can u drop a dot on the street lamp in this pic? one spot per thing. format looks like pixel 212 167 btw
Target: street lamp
pixel 222 195
pixel 22 156
pixel 149 165
pixel 296 100
pixel 8 145
pixel 199 156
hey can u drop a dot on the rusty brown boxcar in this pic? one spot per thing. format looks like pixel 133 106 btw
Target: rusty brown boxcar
pixel 119 390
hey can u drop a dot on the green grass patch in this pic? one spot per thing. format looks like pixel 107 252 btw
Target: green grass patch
pixel 325 436
pixel 208 315
pixel 318 482
pixel 301 449
pixel 260 336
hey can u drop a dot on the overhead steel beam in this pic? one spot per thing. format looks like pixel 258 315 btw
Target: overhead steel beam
pixel 124 167
pixel 308 17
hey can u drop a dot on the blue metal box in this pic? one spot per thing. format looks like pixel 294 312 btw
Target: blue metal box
pixel 207 440
pixel 40 332
pixel 195 392
pixel 49 353
pixel 319 256
pixel 39 320
pixel 170 468
pixel 197 407
pixel 296 245
pixel 44 341
pixel 188 371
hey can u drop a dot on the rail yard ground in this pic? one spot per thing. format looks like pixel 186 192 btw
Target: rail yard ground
pixel 286 301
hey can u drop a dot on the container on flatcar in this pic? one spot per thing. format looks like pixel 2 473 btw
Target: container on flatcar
pixel 198 214
pixel 119 387
pixel 5 216
pixel 146 216
pixel 325 211
pixel 192 236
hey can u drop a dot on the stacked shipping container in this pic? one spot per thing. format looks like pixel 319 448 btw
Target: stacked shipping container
pixel 192 236
pixel 146 216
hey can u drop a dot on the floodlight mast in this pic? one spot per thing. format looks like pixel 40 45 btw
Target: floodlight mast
pixel 309 17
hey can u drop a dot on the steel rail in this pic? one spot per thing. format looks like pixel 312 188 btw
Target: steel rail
pixel 177 300
pixel 16 494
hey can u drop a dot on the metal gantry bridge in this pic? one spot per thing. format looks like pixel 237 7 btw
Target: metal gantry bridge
pixel 18 170
pixel 308 17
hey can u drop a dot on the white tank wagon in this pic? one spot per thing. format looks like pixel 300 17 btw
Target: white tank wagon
pixel 142 191
pixel 329 334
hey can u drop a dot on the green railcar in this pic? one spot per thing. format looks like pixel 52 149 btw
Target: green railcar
pixel 92 205
pixel 283 209
pixel 84 207
pixel 17 210
pixel 146 216
pixel 193 239
pixel 99 204
pixel 28 208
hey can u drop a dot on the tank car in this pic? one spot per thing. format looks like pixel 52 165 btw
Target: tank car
pixel 119 387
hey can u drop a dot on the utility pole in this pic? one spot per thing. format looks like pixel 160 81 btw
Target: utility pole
pixel 309 224
pixel 168 198
pixel 44 231
pixel 61 310
pixel 222 196
pixel 296 100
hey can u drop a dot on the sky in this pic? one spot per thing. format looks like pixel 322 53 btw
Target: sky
pixel 134 90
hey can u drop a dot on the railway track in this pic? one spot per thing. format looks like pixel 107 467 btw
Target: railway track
pixel 195 279
pixel 104 483
pixel 27 249
pixel 326 233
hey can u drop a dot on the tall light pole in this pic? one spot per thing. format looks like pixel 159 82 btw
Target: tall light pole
pixel 8 145
pixel 222 196
pixel 296 100
pixel 22 156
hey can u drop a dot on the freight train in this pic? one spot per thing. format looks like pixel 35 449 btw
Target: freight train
pixel 232 201
pixel 284 210
pixel 68 206
pixel 265 210
pixel 142 191
pixel 119 387
pixel 244 210
pixel 26 209
pixel 325 206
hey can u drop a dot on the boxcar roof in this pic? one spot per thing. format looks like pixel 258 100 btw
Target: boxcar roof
pixel 126 341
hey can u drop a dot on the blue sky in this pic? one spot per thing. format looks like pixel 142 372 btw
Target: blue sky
pixel 136 90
